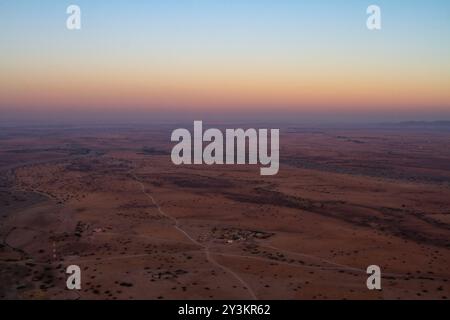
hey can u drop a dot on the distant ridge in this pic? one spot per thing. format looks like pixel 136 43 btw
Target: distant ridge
pixel 420 124
pixel 425 123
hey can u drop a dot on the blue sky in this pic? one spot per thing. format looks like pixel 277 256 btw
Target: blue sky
pixel 175 49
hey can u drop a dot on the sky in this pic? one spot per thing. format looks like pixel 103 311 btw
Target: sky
pixel 311 59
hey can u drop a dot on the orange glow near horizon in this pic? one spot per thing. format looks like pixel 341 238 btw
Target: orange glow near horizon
pixel 210 56
pixel 226 87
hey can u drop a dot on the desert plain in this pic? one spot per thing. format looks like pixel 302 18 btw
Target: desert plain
pixel 110 200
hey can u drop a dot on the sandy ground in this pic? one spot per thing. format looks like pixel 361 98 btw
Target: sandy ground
pixel 112 202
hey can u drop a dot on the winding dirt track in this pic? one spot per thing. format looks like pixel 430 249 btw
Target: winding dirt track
pixel 206 249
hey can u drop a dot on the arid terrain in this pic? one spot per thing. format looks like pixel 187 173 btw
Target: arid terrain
pixel 110 201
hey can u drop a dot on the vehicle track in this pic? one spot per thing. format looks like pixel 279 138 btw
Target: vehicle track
pixel 206 249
